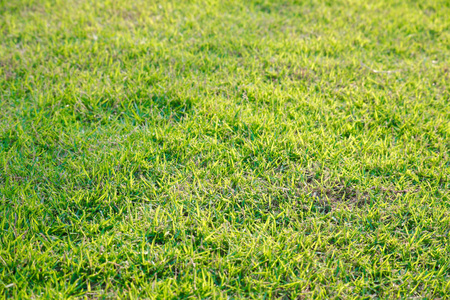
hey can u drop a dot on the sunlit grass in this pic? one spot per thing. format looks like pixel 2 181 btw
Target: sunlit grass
pixel 224 149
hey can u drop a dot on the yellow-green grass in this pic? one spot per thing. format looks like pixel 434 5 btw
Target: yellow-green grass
pixel 224 149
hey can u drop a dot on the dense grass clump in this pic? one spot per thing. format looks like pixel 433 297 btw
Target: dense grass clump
pixel 224 149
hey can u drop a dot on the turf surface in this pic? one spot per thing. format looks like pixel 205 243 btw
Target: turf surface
pixel 214 149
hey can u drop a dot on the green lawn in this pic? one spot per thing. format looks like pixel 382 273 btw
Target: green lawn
pixel 225 149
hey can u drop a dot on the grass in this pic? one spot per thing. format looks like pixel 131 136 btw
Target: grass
pixel 224 149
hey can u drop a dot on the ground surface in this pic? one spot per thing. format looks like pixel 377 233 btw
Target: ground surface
pixel 166 149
